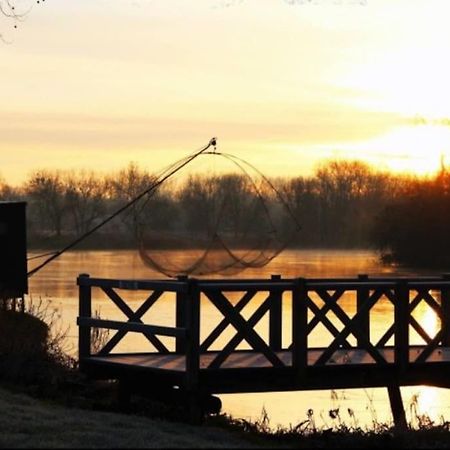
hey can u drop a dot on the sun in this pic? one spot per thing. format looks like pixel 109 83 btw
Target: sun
pixel 416 149
pixel 407 79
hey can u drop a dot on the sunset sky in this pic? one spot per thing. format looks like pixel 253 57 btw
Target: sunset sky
pixel 96 84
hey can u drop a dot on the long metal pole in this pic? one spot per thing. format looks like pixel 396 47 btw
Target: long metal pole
pixel 157 183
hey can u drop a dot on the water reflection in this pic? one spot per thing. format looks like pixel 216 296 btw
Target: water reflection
pixel 57 284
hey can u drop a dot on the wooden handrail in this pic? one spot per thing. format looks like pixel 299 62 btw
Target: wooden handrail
pixel 240 285
pixel 144 285
pixel 132 326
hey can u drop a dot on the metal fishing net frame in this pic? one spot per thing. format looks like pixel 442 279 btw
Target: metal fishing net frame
pixel 233 262
pixel 215 253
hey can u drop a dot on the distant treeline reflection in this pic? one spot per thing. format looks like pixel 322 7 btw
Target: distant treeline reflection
pixel 344 204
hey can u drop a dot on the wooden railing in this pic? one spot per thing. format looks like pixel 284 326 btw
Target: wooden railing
pixel 134 323
pixel 310 302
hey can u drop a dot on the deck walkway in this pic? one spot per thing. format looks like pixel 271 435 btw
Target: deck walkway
pixel 199 363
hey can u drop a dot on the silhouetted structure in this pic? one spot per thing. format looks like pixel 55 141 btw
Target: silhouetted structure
pixel 13 259
pixel 359 352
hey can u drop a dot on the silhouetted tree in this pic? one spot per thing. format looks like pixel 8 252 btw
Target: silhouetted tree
pixel 344 188
pixel 336 207
pixel 196 200
pixel 85 200
pixel 45 190
pixel 126 185
pixel 302 195
pixel 7 192
pixel 414 226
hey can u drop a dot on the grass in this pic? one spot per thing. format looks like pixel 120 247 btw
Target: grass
pixel 36 423
pixel 47 403
pixel 33 423
pixel 423 433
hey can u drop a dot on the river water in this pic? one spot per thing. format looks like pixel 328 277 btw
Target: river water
pixel 55 286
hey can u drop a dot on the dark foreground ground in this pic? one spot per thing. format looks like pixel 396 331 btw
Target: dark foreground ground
pixel 27 422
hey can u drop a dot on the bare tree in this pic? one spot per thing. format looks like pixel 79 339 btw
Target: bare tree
pixel 7 192
pixel 46 191
pixel 124 187
pixel 84 193
pixel 196 199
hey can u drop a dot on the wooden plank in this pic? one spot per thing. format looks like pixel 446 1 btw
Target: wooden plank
pixel 355 280
pixel 84 311
pixel 401 325
pixel 144 285
pixel 233 284
pixel 135 317
pixel 420 331
pixel 118 301
pixel 320 313
pixel 398 411
pixel 137 327
pixel 445 306
pixel 362 296
pixel 239 336
pixel 391 330
pixel 430 348
pixel 180 314
pixel 220 328
pixel 247 359
pixel 350 326
pixel 431 302
pixel 193 336
pixel 300 329
pixel 422 284
pixel 386 336
pixel 351 285
pixel 241 325
pixel 275 316
pixel 242 285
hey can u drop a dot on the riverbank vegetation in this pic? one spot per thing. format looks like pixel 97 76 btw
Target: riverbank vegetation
pixel 344 204
pixel 29 422
pixel 412 228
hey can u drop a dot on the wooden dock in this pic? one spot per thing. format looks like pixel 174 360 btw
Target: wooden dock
pixel 282 357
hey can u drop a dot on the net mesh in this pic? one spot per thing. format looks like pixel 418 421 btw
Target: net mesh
pixel 224 216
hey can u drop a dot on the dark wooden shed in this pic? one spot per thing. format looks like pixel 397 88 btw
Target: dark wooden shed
pixel 13 250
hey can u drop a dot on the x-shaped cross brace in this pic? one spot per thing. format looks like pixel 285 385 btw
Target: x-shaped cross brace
pixel 244 329
pixel 351 326
pixel 133 316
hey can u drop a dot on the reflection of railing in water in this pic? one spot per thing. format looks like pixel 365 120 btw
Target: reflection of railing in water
pixel 353 357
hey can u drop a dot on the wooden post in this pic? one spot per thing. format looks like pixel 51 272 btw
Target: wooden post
pixel 299 329
pixel 445 306
pixel 397 408
pixel 275 317
pixel 181 304
pixel 84 311
pixel 193 352
pixel 362 295
pixel 401 325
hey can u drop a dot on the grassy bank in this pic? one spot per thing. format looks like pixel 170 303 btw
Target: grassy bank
pixel 31 423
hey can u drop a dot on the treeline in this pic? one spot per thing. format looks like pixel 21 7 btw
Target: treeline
pixel 344 204
pixel 413 228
